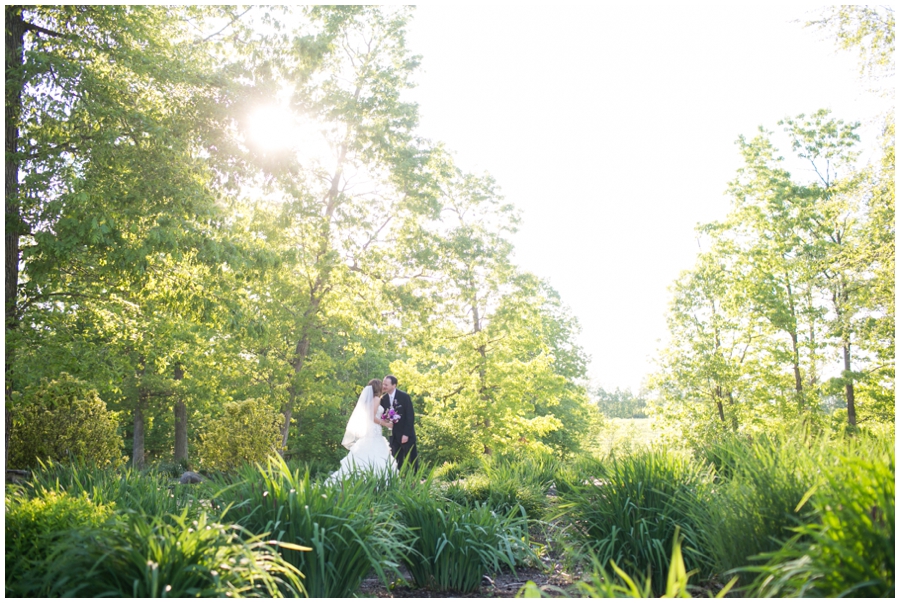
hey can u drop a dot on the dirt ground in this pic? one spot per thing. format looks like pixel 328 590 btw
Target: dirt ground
pixel 505 585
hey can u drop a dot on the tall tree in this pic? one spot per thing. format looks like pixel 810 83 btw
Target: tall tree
pixel 121 107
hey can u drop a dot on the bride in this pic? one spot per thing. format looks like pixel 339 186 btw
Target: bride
pixel 369 450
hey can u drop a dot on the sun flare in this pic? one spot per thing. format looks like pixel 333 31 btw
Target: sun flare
pixel 272 128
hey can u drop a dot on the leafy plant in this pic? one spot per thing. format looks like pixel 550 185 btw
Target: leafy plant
pixel 60 419
pixel 848 550
pixel 142 556
pixel 600 584
pixel 506 483
pixel 457 545
pixel 349 529
pixel 629 511
pixel 753 504
pixel 34 525
pixel 150 493
pixel 248 432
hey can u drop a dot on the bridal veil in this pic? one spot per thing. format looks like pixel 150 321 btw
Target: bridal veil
pixel 361 419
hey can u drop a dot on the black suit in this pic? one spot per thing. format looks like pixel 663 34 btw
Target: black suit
pixel 406 426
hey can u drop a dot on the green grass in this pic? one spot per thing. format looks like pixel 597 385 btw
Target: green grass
pixel 627 511
pixel 846 548
pixel 624 436
pixel 348 527
pixel 137 556
pixel 456 545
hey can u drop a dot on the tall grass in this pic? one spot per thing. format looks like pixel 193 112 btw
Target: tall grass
pixel 629 509
pixel 349 527
pixel 456 545
pixel 848 546
pixel 753 503
pixel 152 493
pixel 140 556
pixel 505 484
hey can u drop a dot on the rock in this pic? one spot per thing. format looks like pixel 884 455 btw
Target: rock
pixel 189 477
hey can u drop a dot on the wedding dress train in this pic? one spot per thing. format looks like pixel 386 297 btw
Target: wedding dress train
pixel 369 450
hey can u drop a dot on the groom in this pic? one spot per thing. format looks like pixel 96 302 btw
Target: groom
pixel 403 434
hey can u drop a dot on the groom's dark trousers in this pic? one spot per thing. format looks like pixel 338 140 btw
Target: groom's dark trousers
pixel 406 426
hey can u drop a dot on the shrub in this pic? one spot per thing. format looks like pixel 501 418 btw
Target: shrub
pixel 759 483
pixel 600 584
pixel 502 493
pixel 248 432
pixel 34 525
pixel 457 545
pixel 506 483
pixel 349 528
pixel 142 556
pixel 629 510
pixel 61 419
pixel 848 549
pixel 148 492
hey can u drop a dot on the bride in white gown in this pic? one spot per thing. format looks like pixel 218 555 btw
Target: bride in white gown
pixel 369 450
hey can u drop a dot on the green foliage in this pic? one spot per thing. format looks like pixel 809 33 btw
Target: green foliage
pixel 450 471
pixel 456 545
pixel 867 29
pixel 799 272
pixel 506 483
pixel 348 529
pixel 148 557
pixel 759 483
pixel 600 584
pixel 248 432
pixel 150 493
pixel 35 525
pixel 628 511
pixel 847 547
pixel 621 404
pixel 61 419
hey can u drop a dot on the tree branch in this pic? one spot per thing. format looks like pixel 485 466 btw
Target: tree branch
pixel 43 30
pixel 232 22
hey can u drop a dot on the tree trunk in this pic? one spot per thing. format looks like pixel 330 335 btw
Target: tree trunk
pixel 137 448
pixel 798 377
pixel 851 399
pixel 15 81
pixel 287 410
pixel 719 405
pixel 181 445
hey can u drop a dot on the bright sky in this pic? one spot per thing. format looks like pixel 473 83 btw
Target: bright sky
pixel 612 128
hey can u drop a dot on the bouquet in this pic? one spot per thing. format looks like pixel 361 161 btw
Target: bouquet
pixel 390 415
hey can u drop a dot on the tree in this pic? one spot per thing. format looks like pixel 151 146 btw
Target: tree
pixel 113 184
pixel 330 230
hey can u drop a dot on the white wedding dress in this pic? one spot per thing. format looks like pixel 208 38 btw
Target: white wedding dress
pixel 369 450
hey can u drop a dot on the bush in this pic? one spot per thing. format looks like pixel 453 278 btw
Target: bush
pixel 848 549
pixel 349 528
pixel 629 511
pixel 142 556
pixel 248 432
pixel 457 545
pixel 450 471
pixel 502 493
pixel 759 483
pixel 62 419
pixel 149 492
pixel 34 526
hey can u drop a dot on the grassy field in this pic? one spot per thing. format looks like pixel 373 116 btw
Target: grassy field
pixel 626 435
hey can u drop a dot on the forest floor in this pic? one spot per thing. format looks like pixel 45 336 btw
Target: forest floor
pixel 621 435
pixel 504 585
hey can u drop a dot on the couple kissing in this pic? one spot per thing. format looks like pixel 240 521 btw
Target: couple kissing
pixel 369 450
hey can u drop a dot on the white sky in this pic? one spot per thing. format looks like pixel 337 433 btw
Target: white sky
pixel 612 128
